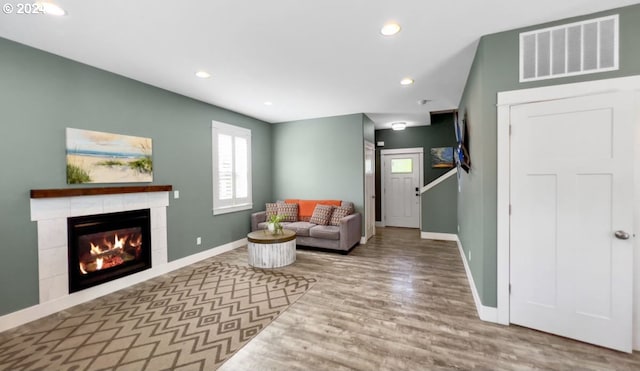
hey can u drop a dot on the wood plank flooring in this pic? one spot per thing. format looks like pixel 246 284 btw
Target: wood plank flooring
pixel 401 303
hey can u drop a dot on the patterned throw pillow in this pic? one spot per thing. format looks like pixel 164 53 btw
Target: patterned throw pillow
pixel 339 213
pixel 321 215
pixel 289 212
pixel 272 209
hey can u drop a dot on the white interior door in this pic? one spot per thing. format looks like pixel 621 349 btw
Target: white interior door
pixel 402 190
pixel 370 190
pixel 571 190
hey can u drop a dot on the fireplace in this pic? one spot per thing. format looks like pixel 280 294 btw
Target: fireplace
pixel 104 247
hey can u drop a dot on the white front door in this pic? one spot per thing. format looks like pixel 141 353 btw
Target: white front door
pixel 402 190
pixel 571 190
pixel 369 190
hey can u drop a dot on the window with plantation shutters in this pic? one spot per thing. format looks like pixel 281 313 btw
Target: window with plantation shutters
pixel 231 168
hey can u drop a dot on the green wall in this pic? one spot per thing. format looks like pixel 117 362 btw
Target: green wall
pixel 320 159
pixel 440 207
pixel 495 69
pixel 42 94
pixel 440 133
pixel 471 199
pixel 368 129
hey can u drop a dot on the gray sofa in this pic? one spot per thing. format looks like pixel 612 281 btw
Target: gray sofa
pixel 341 238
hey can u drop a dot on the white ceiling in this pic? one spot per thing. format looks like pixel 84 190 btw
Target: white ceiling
pixel 311 58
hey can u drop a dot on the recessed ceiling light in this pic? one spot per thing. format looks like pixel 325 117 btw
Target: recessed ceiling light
pixel 390 29
pixel 51 8
pixel 406 81
pixel 267 103
pixel 203 74
pixel 399 125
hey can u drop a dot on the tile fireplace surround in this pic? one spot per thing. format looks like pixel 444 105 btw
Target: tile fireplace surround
pixel 51 215
pixel 51 211
pixel 51 208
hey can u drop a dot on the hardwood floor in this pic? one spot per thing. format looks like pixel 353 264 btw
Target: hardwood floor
pixel 401 303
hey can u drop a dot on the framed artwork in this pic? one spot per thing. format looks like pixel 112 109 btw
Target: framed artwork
pixel 442 157
pixel 462 159
pixel 98 157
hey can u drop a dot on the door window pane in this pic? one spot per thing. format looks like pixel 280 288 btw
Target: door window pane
pixel 401 165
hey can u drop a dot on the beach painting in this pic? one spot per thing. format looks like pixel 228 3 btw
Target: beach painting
pixel 97 157
pixel 442 157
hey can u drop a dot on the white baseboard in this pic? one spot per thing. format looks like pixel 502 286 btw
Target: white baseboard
pixel 489 314
pixel 35 312
pixel 439 236
pixel 191 259
pixel 380 224
pixel 363 240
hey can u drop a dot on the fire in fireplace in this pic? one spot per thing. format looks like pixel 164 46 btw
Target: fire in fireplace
pixel 107 246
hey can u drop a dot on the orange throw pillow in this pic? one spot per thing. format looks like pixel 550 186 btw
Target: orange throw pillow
pixel 306 207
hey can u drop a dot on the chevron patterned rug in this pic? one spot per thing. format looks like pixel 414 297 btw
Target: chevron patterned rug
pixel 191 319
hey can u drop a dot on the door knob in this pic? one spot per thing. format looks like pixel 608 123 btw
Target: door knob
pixel 621 235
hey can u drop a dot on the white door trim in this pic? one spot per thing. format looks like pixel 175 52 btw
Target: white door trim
pixel 368 146
pixel 399 151
pixel 505 101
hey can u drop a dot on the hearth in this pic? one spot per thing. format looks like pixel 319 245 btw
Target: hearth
pixel 104 247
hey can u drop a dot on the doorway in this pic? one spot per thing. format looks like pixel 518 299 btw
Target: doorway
pixel 565 216
pixel 402 176
pixel 369 190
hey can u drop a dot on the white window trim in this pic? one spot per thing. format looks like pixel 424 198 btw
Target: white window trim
pixel 235 131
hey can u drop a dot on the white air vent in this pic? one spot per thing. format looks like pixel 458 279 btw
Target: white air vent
pixel 571 49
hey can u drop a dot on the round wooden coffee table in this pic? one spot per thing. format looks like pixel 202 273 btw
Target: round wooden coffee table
pixel 267 250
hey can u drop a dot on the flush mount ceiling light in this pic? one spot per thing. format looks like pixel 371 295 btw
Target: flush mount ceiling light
pixel 51 8
pixel 203 74
pixel 390 29
pixel 399 125
pixel 406 81
pixel 268 103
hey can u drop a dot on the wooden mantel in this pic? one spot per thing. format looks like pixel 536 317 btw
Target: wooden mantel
pixel 72 192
